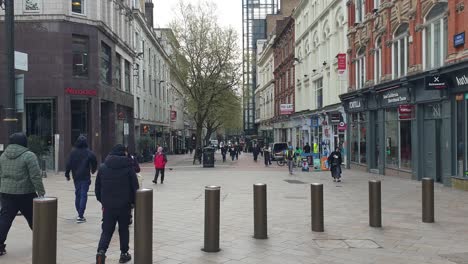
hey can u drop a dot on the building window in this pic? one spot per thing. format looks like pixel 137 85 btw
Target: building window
pixel 137 75
pixel 400 51
pixel 127 76
pixel 77 6
pixel 360 65
pixel 376 4
pixel 138 108
pixel 319 92
pixel 359 138
pixel 118 72
pixel 106 64
pixel 378 61
pixel 435 36
pixel 397 140
pixel 360 11
pixel 80 50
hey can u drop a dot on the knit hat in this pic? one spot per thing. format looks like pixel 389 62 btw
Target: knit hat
pixel 19 139
pixel 118 150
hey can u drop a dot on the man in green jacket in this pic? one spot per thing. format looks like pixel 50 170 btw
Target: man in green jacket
pixel 20 183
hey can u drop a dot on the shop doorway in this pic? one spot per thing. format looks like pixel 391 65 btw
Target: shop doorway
pixel 431 142
pixel 79 119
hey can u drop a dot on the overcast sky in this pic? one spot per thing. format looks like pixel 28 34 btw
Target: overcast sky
pixel 229 13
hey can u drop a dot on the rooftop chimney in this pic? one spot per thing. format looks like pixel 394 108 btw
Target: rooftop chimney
pixel 149 6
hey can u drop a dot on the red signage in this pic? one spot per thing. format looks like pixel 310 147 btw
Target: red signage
pixel 286 109
pixel 342 126
pixel 405 111
pixel 341 62
pixel 173 116
pixel 86 92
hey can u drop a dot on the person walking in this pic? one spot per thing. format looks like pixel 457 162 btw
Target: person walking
pixel 224 152
pixel 237 150
pixel 266 156
pixel 115 188
pixel 20 183
pixel 307 148
pixel 82 162
pixel 160 161
pixel 335 161
pixel 290 158
pixel 255 152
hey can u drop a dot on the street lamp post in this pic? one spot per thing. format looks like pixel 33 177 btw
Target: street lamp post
pixel 10 109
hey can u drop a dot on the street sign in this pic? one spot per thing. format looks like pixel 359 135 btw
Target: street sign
pixel 19 87
pixel 126 129
pixel 21 61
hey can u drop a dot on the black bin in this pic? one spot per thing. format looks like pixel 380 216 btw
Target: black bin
pixel 208 157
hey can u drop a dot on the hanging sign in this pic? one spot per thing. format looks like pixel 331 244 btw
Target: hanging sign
pixel 405 111
pixel 342 126
pixel 341 63
pixel 435 82
pixel 286 109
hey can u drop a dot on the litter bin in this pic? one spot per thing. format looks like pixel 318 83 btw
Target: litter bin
pixel 208 157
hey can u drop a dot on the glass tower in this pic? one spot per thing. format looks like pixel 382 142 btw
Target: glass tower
pixel 254 27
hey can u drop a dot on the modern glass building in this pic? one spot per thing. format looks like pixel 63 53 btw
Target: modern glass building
pixel 254 14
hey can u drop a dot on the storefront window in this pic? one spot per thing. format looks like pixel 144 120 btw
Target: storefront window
pixel 106 66
pixel 354 139
pixel 391 137
pixel 398 145
pixel 359 138
pixel 461 154
pixel 405 144
pixel 80 56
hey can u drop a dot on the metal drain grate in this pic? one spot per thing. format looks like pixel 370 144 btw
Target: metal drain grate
pixel 347 243
pixel 294 181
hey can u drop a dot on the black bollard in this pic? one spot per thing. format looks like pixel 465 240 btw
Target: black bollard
pixel 428 200
pixel 316 195
pixel 212 214
pixel 44 231
pixel 144 226
pixel 375 204
pixel 260 211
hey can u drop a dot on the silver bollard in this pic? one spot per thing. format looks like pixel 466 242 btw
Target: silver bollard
pixel 144 226
pixel 212 214
pixel 375 204
pixel 260 211
pixel 428 200
pixel 316 195
pixel 44 231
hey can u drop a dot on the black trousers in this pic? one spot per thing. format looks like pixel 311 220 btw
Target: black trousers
pixel 156 176
pixel 11 204
pixel 112 216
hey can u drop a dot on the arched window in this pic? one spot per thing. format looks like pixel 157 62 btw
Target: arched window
pixel 378 60
pixel 360 66
pixel 435 37
pixel 400 51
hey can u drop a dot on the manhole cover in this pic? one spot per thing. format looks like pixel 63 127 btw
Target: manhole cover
pixel 347 243
pixel 459 258
pixel 294 181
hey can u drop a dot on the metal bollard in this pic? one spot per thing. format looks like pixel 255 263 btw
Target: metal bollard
pixel 428 200
pixel 144 226
pixel 316 195
pixel 260 211
pixel 375 204
pixel 44 231
pixel 212 213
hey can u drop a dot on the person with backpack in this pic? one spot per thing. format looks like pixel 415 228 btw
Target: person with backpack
pixel 115 188
pixel 290 158
pixel 335 161
pixel 82 162
pixel 20 183
pixel 160 161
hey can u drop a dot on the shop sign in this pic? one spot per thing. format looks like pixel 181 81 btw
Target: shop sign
pixel 173 116
pixel 405 111
pixel 314 121
pixel 395 97
pixel 121 116
pixel 459 40
pixel 435 82
pixel 342 126
pixel 355 104
pixel 286 109
pixel 341 63
pixel 335 117
pixel 86 92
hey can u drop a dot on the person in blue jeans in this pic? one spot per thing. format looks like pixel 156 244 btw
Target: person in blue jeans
pixel 82 163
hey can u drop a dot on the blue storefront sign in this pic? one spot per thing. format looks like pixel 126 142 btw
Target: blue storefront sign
pixel 314 121
pixel 459 40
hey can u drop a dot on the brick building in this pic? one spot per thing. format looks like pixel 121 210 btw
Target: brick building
pixel 284 50
pixel 406 102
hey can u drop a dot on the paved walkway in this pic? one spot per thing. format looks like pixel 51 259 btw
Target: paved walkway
pixel 179 210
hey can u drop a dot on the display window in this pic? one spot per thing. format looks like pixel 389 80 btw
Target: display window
pixel 462 137
pixel 358 147
pixel 398 145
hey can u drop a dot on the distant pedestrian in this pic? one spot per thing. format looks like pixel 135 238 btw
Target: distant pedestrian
pixel 224 152
pixel 334 161
pixel 232 152
pixel 116 186
pixel 266 156
pixel 255 152
pixel 82 162
pixel 290 158
pixel 160 161
pixel 20 183
pixel 307 148
pixel 237 151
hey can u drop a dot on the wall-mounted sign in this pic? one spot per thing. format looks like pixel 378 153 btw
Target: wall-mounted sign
pixel 342 126
pixel 459 40
pixel 286 109
pixel 394 97
pixel 355 104
pixel 314 121
pixel 21 61
pixel 341 63
pixel 405 111
pixel 121 116
pixel 335 117
pixel 85 92
pixel 126 129
pixel 173 116
pixel 435 82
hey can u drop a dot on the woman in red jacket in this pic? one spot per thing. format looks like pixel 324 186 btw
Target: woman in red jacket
pixel 160 161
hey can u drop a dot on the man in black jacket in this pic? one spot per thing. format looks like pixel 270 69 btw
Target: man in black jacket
pixel 116 186
pixel 82 162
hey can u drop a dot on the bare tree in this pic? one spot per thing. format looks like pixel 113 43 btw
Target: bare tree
pixel 208 59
